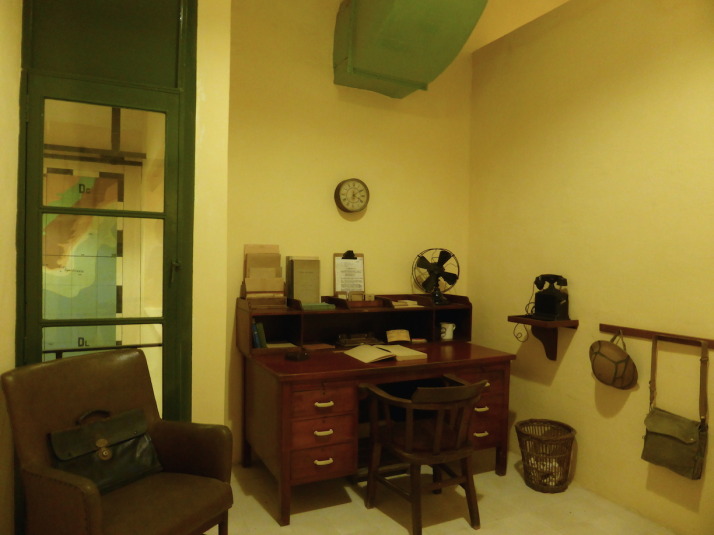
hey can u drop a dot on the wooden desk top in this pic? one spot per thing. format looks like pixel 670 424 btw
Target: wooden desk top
pixel 335 365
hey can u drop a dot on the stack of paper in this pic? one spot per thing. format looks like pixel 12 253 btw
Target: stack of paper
pixel 263 276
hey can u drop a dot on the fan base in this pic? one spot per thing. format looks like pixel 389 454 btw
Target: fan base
pixel 438 298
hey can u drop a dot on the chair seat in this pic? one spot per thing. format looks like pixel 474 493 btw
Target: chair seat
pixel 160 505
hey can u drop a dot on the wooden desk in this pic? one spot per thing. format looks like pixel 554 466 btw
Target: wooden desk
pixel 301 418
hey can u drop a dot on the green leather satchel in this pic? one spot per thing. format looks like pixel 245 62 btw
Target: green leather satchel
pixel 673 441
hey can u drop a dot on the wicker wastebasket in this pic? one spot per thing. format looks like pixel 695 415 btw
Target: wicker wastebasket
pixel 546 448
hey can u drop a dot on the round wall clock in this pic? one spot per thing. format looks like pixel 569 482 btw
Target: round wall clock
pixel 352 195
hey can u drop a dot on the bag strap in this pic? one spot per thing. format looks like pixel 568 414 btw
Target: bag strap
pixel 703 372
pixel 619 335
pixel 95 414
pixel 653 372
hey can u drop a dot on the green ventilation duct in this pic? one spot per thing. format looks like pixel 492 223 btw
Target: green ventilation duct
pixel 395 47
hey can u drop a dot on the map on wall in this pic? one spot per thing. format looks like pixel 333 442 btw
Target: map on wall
pixel 80 252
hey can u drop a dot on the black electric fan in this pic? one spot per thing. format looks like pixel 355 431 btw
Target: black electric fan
pixel 436 271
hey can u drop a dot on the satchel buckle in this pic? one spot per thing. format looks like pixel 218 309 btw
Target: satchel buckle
pixel 103 453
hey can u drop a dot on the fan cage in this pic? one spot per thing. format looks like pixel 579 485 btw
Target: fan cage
pixel 419 274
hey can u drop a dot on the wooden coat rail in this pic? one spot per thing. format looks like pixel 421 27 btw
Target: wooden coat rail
pixel 665 337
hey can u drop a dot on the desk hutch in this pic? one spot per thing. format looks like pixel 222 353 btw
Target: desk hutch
pixel 301 417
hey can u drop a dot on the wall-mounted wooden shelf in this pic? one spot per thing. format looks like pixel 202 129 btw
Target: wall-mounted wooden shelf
pixel 546 331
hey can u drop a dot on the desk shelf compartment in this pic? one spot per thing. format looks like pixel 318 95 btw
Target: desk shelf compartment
pixel 325 328
pixel 458 312
pixel 280 325
pixel 300 327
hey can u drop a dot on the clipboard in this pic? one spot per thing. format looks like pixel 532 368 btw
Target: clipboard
pixel 348 271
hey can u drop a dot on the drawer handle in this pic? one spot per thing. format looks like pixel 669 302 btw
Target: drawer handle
pixel 324 404
pixel 482 409
pixel 481 435
pixel 323 463
pixel 323 433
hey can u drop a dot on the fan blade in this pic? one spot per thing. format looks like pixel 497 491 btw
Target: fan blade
pixel 430 282
pixel 450 278
pixel 423 263
pixel 444 257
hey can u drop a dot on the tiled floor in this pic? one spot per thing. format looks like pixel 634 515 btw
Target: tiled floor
pixel 506 504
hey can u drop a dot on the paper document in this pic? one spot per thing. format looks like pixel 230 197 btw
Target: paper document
pixel 368 353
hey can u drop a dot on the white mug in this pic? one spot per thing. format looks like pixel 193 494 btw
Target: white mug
pixel 447 331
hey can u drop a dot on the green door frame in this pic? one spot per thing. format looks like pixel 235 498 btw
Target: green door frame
pixel 178 103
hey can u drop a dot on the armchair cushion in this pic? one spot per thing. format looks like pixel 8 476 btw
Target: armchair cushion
pixel 165 504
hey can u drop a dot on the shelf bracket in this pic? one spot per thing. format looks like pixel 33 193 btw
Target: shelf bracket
pixel 546 331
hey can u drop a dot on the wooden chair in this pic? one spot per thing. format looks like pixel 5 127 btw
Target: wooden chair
pixel 190 495
pixel 434 431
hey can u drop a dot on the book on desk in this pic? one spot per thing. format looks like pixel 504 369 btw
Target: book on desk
pixel 374 353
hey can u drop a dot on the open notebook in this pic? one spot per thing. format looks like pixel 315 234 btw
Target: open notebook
pixel 368 353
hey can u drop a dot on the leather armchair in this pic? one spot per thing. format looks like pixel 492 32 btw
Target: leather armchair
pixel 189 496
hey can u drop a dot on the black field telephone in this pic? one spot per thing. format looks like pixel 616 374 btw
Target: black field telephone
pixel 551 301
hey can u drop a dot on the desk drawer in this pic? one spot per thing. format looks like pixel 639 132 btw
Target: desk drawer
pixel 323 431
pixel 487 423
pixel 325 401
pixel 316 464
pixel 495 378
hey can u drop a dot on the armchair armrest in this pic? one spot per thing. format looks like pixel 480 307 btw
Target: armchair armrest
pixel 60 502
pixel 192 448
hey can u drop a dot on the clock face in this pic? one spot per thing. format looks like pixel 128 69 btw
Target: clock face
pixel 351 195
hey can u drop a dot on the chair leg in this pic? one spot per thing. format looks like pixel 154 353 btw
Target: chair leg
pixel 372 471
pixel 436 478
pixel 223 526
pixel 415 497
pixel 471 500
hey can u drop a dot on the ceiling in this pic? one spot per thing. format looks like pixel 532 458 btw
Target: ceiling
pixel 503 16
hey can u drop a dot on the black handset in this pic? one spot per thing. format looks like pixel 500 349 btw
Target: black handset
pixel 540 280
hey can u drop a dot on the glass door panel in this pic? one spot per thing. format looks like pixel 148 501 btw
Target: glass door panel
pixel 103 225
pixel 103 157
pixel 101 267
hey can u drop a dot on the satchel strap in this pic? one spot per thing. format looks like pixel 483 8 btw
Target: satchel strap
pixel 703 372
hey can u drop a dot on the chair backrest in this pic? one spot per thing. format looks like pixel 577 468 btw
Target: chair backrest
pixel 436 419
pixel 50 396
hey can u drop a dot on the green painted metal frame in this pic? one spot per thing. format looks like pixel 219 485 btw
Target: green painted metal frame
pixel 170 94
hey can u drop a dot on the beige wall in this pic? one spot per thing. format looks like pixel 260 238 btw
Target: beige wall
pixel 592 157
pixel 599 113
pixel 10 34
pixel 294 135
pixel 211 295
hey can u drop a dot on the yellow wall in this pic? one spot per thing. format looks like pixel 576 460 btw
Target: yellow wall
pixel 599 113
pixel 211 324
pixel 592 157
pixel 10 34
pixel 294 135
